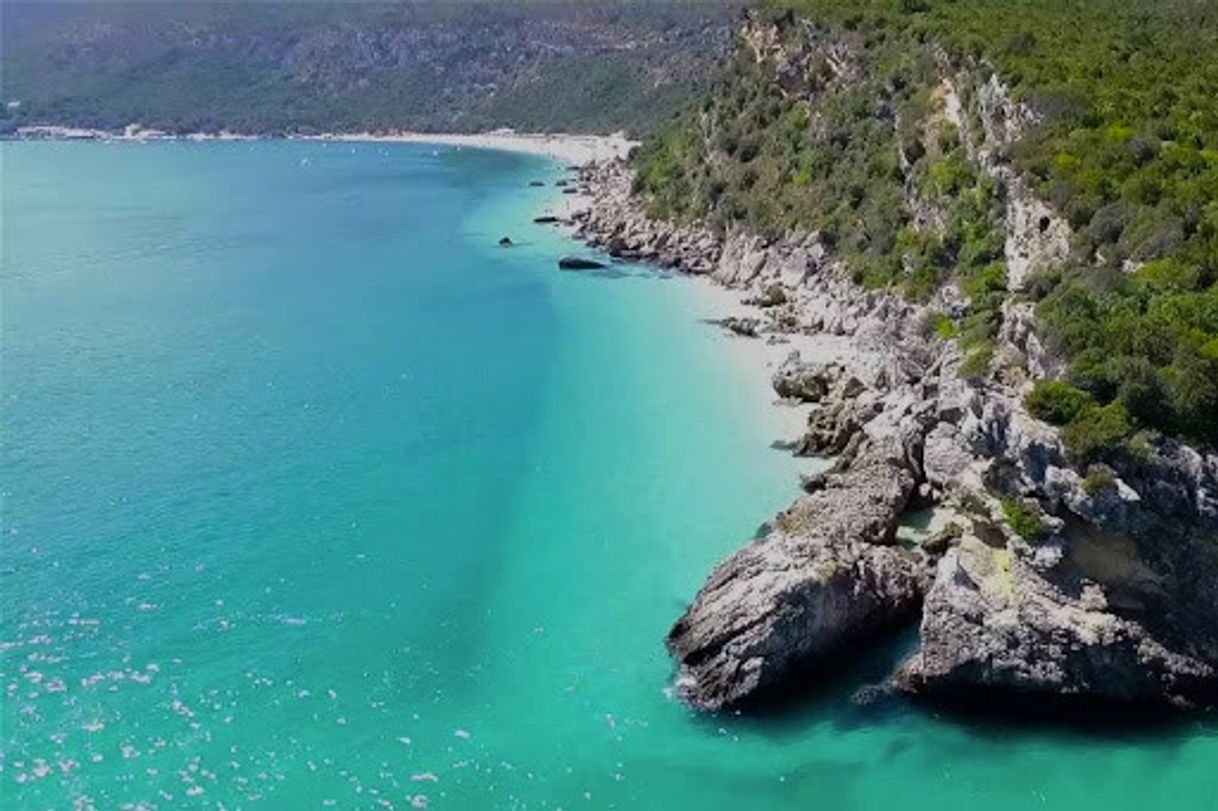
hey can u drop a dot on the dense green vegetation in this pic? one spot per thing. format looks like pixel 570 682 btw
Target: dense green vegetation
pixel 1058 403
pixel 1126 148
pixel 588 65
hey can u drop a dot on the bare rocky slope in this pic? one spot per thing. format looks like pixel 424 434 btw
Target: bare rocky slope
pixel 1053 579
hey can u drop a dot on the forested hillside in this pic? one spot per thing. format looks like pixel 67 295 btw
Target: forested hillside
pixel 589 65
pixel 864 121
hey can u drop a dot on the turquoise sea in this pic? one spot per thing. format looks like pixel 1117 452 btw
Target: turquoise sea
pixel 315 497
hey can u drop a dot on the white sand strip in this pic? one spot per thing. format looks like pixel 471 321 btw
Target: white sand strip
pixel 575 150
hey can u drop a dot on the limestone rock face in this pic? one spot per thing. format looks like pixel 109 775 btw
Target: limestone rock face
pixel 993 621
pixel 1037 237
pixel 824 576
pixel 1067 616
pixel 609 217
pixel 946 456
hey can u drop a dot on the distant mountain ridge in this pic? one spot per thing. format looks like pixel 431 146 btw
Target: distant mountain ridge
pixel 591 66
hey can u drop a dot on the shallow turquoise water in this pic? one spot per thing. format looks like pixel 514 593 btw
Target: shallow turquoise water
pixel 313 497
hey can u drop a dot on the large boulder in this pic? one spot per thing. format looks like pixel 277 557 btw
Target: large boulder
pixel 807 382
pixel 825 575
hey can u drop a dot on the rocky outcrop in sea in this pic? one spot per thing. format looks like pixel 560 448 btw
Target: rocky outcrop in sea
pixel 1116 597
pixel 1051 578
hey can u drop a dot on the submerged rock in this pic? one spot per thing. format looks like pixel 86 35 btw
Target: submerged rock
pixel 937 543
pixel 579 263
pixel 743 326
pixel 545 219
pixel 536 183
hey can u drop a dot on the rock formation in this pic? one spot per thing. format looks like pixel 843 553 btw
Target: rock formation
pixel 996 619
pixel 1064 616
pixel 1110 593
pixel 826 574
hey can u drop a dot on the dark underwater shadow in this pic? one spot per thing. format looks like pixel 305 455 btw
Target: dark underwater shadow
pixel 848 691
pixel 1015 713
pixel 851 692
pixel 611 273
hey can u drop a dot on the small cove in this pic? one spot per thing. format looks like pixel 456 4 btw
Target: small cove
pixel 313 493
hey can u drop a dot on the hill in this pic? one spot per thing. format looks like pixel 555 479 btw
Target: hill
pixel 272 67
pixel 919 137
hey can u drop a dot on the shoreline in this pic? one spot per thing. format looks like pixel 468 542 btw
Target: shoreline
pixel 910 438
pixel 574 150
pixel 715 302
pixel 788 418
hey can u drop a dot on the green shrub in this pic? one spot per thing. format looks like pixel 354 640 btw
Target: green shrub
pixel 950 175
pixel 986 288
pixel 1097 433
pixel 1024 519
pixel 938 325
pixel 1098 482
pixel 1056 402
pixel 945 327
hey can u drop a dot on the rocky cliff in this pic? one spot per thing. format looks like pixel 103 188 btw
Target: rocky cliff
pixel 1054 577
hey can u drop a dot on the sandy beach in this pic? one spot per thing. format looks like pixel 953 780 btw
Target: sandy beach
pixel 759 358
pixel 575 150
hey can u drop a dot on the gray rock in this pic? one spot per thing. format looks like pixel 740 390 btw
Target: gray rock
pixel 992 621
pixel 807 382
pixel 823 577
pixel 812 482
pixel 772 296
pixel 945 456
pixel 939 542
pixel 743 326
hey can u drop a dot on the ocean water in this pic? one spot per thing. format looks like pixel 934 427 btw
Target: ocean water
pixel 315 497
